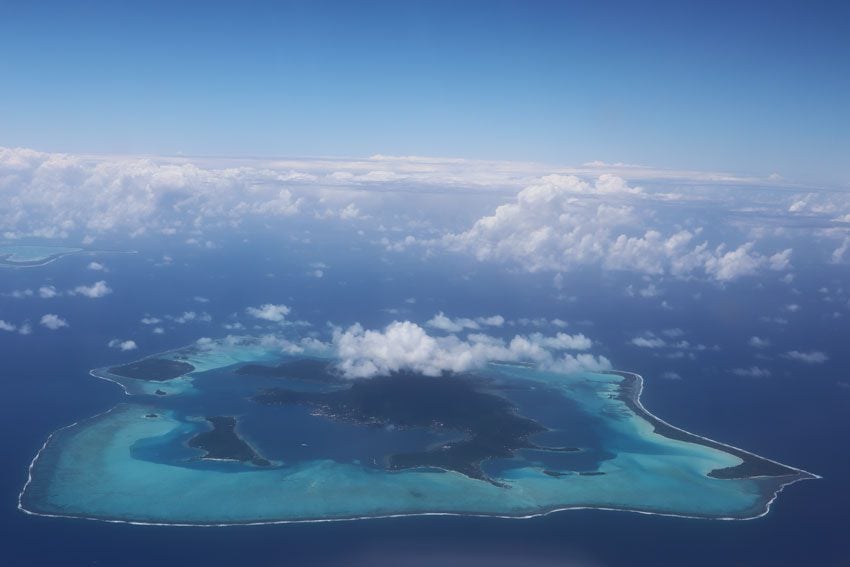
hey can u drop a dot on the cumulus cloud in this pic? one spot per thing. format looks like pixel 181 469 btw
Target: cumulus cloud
pixel 97 267
pixel 839 253
pixel 6 326
pixel 649 342
pixel 20 293
pixel 809 357
pixel 54 194
pixel 492 321
pixel 95 291
pixel 407 346
pixel 269 312
pixel 442 322
pixel 53 322
pixel 758 342
pixel 124 345
pixel 183 318
pixel 752 372
pixel 47 292
pixel 548 228
pixel 562 341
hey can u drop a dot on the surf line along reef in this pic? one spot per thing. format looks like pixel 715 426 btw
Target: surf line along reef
pixel 233 432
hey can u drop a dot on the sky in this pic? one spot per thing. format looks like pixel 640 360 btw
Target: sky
pixel 746 87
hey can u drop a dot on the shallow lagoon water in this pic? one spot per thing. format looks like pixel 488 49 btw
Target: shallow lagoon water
pixel 132 463
pixel 32 256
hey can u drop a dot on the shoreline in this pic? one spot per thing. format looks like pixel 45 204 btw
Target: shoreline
pixel 635 404
pixel 6 263
pixel 799 475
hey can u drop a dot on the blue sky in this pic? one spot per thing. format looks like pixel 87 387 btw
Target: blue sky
pixel 743 87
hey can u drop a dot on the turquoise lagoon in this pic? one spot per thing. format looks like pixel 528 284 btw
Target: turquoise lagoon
pixel 134 463
pixel 30 256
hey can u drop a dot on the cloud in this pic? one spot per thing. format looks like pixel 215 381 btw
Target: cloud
pixel 442 322
pixel 492 321
pixel 150 320
pixel 123 345
pixel 20 293
pixel 562 341
pixel 758 342
pixel 95 291
pixel 185 317
pixel 407 346
pixel 839 253
pixel 97 267
pixel 53 322
pixel 6 326
pixel 752 372
pixel 47 292
pixel 269 312
pixel 350 212
pixel 649 342
pixel 549 228
pixel 810 357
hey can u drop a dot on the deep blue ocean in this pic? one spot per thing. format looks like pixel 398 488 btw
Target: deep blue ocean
pixel 799 416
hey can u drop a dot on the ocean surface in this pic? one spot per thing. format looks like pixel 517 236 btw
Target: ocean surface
pixel 798 416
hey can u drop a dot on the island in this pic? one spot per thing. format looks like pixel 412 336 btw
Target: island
pixel 222 443
pixel 487 424
pixel 33 256
pixel 234 431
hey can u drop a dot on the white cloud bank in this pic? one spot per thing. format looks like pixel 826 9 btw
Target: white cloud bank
pixel 559 217
pixel 405 346
pixel 548 228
